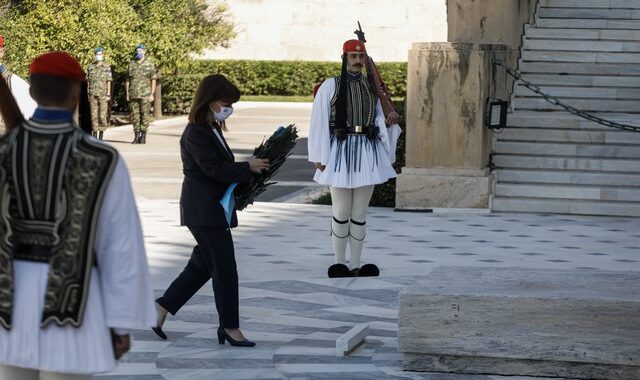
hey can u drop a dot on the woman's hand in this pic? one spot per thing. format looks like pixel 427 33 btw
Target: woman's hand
pixel 258 165
pixel 319 166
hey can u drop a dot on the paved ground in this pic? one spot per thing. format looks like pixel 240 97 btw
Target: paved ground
pixel 283 250
pixel 295 313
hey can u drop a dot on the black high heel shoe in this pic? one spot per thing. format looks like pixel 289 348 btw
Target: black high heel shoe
pixel 159 332
pixel 222 336
pixel 159 321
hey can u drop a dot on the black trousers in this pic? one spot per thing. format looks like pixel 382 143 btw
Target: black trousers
pixel 213 258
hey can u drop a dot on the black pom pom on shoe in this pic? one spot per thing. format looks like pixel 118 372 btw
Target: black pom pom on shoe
pixel 369 270
pixel 338 270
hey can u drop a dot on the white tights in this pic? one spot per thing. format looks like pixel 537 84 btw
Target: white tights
pixel 349 208
pixel 16 373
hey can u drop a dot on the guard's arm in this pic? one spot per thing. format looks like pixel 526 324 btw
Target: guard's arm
pixel 8 107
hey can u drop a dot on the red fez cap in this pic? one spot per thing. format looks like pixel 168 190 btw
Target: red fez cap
pixel 1 41
pixel 353 45
pixel 57 63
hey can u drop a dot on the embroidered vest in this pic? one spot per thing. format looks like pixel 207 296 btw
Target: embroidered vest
pixel 361 104
pixel 52 183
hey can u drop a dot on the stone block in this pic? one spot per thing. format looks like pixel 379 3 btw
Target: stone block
pixel 526 322
pixel 418 188
pixel 351 339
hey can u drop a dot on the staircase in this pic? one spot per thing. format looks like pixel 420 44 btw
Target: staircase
pixel 587 53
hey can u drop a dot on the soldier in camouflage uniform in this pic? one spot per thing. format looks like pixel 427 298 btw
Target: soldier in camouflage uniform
pixel 99 77
pixel 140 87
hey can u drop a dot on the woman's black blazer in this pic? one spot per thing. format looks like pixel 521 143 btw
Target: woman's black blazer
pixel 208 170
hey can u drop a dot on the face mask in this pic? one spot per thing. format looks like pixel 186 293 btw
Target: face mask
pixel 99 57
pixel 1 68
pixel 223 115
pixel 139 56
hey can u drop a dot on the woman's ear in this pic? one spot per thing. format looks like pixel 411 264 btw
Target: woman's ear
pixel 215 106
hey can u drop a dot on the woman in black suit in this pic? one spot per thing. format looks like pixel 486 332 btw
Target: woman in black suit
pixel 209 168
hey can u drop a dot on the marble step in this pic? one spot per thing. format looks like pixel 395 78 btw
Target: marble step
pixel 579 57
pixel 592 151
pixel 581 92
pixel 567 177
pixel 591 81
pixel 578 23
pixel 569 136
pixel 558 191
pixel 587 46
pixel 576 68
pixel 614 165
pixel 579 324
pixel 583 34
pixel 587 105
pixel 590 13
pixel 564 206
pixel 629 4
pixel 563 120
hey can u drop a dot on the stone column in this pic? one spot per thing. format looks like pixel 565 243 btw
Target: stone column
pixel 447 142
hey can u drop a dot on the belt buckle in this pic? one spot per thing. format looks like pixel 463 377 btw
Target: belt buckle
pixel 359 129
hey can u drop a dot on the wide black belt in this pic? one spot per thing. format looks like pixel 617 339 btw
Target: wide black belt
pixel 356 130
pixel 34 253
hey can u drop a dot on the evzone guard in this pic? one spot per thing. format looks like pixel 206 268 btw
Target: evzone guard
pixel 352 142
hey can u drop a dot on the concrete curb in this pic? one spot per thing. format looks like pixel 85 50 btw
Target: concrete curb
pixel 305 196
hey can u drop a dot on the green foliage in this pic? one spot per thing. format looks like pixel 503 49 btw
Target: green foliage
pixel 324 199
pixel 175 30
pixel 274 78
pixel 384 195
pixel 290 77
pixel 172 30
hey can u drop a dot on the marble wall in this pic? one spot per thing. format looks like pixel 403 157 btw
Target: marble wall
pixel 314 30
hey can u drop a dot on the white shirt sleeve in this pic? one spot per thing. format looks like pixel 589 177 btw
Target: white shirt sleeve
pixel 394 131
pixel 122 262
pixel 20 91
pixel 319 142
pixel 388 136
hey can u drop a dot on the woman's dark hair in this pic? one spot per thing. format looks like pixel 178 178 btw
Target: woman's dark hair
pixel 212 88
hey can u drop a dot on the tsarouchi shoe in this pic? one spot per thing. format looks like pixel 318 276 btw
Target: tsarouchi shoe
pixel 338 270
pixel 369 270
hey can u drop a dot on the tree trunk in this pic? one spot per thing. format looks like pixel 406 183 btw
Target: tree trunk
pixel 157 97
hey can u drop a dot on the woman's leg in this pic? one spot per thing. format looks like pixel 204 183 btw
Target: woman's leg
pixel 357 230
pixel 17 373
pixel 192 278
pixel 216 245
pixel 341 209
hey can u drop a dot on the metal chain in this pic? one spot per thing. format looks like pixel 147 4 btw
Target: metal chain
pixel 555 101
